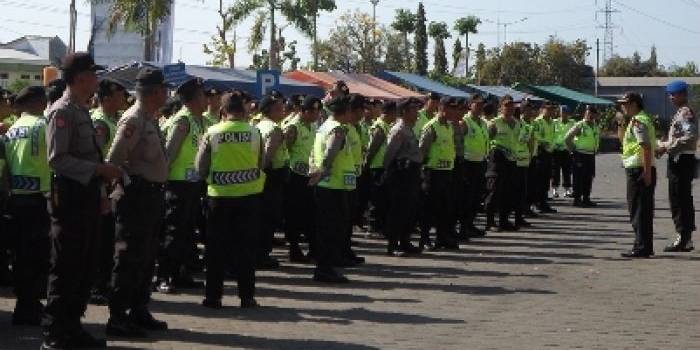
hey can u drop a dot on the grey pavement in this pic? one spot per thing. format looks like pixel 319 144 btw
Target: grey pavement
pixel 559 285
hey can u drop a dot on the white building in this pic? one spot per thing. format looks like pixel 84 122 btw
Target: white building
pixel 122 47
pixel 25 58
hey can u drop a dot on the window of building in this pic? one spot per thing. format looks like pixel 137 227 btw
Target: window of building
pixel 37 77
pixel 25 77
pixel 4 76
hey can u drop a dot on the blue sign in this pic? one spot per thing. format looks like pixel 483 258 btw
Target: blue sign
pixel 267 80
pixel 176 74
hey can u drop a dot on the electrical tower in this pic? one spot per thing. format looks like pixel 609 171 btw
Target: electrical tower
pixel 608 28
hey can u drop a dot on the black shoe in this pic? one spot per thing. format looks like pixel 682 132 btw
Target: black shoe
pixel 426 243
pixel 55 343
pixel 329 276
pixel 26 318
pixel 212 303
pixel 267 263
pixel 145 320
pixel 188 282
pixel 507 227
pixel 447 244
pixel 589 203
pixel 98 296
pixel 345 262
pixel 165 287
pixel 297 256
pixel 396 253
pixel 122 326
pixel 578 203
pixel 522 223
pixel 475 232
pixel 84 340
pixel 635 254
pixel 680 245
pixel 493 228
pixel 411 249
pixel 531 213
pixel 249 303
pixel 546 209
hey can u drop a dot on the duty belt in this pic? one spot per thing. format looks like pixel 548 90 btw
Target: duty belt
pixel 235 177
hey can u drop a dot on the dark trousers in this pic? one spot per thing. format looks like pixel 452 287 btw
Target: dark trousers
pixel 475 181
pixel 520 181
pixel 273 204
pixel 584 172
pixel 233 225
pixel 332 220
pixel 29 225
pixel 640 203
pixel 75 221
pixel 680 193
pixel 139 218
pixel 532 183
pixel 106 264
pixel 182 200
pixel 378 199
pixel 402 191
pixel 364 183
pixel 544 173
pixel 499 177
pixel 459 185
pixel 353 199
pixel 561 168
pixel 438 187
pixel 299 210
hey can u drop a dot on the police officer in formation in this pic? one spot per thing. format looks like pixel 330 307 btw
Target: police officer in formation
pixel 583 141
pixel 476 147
pixel 561 157
pixel 374 161
pixel 545 138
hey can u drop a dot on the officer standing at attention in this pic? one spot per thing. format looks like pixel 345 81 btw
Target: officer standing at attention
pixel 544 134
pixel 427 113
pixel 401 180
pixel 503 133
pixel 333 174
pixel 140 207
pixel 437 145
pixel 79 174
pixel 183 132
pixel 638 145
pixel 230 158
pixel 299 135
pixel 476 146
pixel 561 158
pixel 275 164
pixel 25 150
pixel 680 147
pixel 582 141
pixel 379 134
pixel 111 97
pixel 524 150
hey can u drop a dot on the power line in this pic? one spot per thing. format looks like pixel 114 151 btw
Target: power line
pixel 608 30
pixel 657 19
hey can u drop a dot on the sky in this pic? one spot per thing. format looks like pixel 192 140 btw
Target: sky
pixel 671 25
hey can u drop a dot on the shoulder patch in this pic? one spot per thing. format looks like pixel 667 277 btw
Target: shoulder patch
pixel 60 121
pixel 128 131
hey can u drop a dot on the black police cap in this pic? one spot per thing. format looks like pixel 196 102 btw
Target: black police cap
pixel 190 86
pixel 211 92
pixel 232 103
pixel 276 94
pixel 267 102
pixel 310 103
pixel 30 94
pixel 79 62
pixel 449 101
pixel 357 101
pixel 406 103
pixel 338 104
pixel 632 97
pixel 434 96
pixel 108 86
pixel 150 76
pixel 389 107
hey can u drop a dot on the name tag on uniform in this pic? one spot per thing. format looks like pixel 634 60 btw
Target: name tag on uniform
pixel 191 175
pixel 349 179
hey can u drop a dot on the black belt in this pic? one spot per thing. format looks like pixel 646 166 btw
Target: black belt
pixel 406 164
pixel 140 182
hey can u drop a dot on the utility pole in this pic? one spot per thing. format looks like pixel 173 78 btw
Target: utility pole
pixel 608 29
pixel 374 31
pixel 315 35
pixel 73 19
pixel 597 64
pixel 505 28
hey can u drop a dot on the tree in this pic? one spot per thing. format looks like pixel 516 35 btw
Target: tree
pixel 350 46
pixel 618 66
pixel 222 50
pixel 17 85
pixel 439 32
pixel 394 59
pixel 312 8
pixel 291 56
pixel 565 63
pixel 141 16
pixel 405 23
pixel 456 53
pixel 690 69
pixel 480 61
pixel 465 26
pixel 421 42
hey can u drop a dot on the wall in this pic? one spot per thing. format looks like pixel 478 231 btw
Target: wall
pixel 12 72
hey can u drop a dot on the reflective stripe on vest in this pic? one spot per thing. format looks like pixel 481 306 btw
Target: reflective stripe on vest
pixel 342 172
pixel 545 133
pixel 353 138
pixel 631 149
pixel 560 131
pixel 235 153
pixel 25 152
pixel 301 149
pixel 182 167
pixel 522 148
pixel 281 157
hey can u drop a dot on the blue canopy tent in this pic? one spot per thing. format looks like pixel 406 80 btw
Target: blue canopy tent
pixel 420 83
pixel 496 91
pixel 214 77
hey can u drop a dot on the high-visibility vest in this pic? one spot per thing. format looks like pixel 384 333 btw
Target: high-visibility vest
pixel 588 138
pixel 561 128
pixel 281 157
pixel 476 140
pixel 182 167
pixel 98 115
pixel 545 133
pixel 343 175
pixel 25 152
pixel 423 118
pixel 522 148
pixel 442 153
pixel 353 138
pixel 301 149
pixel 506 138
pixel 631 149
pixel 377 162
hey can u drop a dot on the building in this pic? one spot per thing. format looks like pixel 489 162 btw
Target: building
pixel 652 89
pixel 123 47
pixel 25 58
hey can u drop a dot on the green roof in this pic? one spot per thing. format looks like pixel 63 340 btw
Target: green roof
pixel 562 95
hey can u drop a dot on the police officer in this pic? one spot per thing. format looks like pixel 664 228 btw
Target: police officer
pixel 523 156
pixel 111 97
pixel 54 91
pixel 211 115
pixel 680 147
pixel 638 145
pixel 183 133
pixel 230 158
pixel 427 113
pixel 544 134
pixel 138 148
pixel 503 135
pixel 401 180
pixel 379 134
pixel 25 146
pixel 333 174
pixel 561 157
pixel 476 146
pixel 437 145
pixel 583 141
pixel 79 172
pixel 299 135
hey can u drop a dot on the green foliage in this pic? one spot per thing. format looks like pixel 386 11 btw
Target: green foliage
pixel 456 52
pixel 17 85
pixel 618 66
pixel 405 23
pixel 690 69
pixel 291 56
pixel 394 59
pixel 421 42
pixel 439 32
pixel 465 26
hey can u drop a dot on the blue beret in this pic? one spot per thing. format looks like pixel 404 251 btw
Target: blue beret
pixel 676 86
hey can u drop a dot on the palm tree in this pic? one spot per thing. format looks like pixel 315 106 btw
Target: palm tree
pixel 439 32
pixel 405 22
pixel 140 16
pixel 465 26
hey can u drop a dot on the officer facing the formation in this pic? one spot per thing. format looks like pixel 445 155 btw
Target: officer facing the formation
pixel 333 174
pixel 680 147
pixel 211 115
pixel 299 135
pixel 230 158
pixel 401 179
pixel 376 150
pixel 138 149
pixel 437 145
pixel 275 164
pixel 25 147
pixel 638 145
pixel 476 147
pixel 582 141
pixel 544 134
pixel 183 133
pixel 503 135
pixel 561 158
pixel 111 97
pixel 74 206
